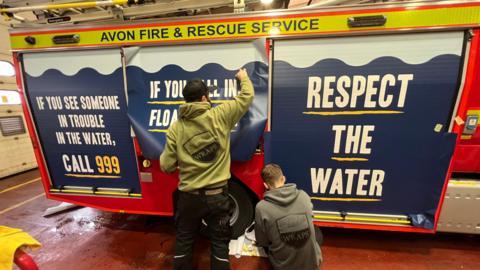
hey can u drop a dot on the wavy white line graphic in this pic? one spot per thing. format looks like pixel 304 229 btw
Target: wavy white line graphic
pixel 70 63
pixel 192 57
pixel 151 59
pixel 359 51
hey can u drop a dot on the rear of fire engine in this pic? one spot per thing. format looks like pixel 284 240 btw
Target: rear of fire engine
pixel 371 109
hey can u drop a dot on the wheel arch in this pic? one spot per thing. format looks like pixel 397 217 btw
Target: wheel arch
pixel 247 173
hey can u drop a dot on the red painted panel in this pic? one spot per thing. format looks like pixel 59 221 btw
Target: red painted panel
pixel 249 173
pixel 467 153
pixel 467 158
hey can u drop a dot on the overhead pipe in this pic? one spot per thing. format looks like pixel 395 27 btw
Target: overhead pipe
pixel 88 4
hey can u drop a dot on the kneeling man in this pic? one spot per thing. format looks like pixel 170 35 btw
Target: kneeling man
pixel 284 226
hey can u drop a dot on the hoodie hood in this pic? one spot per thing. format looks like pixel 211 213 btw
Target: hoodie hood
pixel 193 109
pixel 282 195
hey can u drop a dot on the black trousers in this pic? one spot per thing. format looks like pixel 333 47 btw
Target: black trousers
pixel 215 211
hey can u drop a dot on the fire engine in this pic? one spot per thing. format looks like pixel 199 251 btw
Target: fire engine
pixel 371 109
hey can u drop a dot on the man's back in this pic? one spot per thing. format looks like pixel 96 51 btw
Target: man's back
pixel 283 224
pixel 200 140
pixel 199 145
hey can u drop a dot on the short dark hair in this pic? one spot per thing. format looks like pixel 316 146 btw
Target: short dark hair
pixel 194 90
pixel 271 173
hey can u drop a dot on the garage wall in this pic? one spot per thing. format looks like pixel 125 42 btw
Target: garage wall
pixel 16 151
pixel 6 83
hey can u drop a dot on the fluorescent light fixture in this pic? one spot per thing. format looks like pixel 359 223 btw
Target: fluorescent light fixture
pixel 6 69
pixel 266 2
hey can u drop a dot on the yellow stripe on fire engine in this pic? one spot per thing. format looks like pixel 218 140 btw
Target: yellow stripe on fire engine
pixel 315 23
pixel 362 219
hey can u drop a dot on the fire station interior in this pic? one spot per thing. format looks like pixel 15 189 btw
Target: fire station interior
pixel 370 107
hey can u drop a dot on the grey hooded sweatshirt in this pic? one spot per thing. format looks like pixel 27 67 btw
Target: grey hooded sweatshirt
pixel 283 224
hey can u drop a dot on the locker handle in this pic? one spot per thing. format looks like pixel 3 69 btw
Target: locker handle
pixel 367 21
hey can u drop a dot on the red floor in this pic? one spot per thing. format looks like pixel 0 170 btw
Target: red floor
pixel 89 239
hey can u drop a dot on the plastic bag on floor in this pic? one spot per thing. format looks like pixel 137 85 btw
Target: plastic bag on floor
pixel 245 245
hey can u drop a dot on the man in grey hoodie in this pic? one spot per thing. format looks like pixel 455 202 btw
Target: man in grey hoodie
pixel 283 224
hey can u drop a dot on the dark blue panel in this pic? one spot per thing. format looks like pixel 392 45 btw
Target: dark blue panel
pixel 244 138
pixel 87 82
pixel 414 156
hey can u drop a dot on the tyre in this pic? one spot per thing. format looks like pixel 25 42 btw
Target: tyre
pixel 243 209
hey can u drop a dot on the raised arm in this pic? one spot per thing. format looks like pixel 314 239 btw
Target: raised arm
pixel 232 111
pixel 168 159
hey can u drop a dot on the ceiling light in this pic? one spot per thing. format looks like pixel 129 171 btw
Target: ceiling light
pixel 274 31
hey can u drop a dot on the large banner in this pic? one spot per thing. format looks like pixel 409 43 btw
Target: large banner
pixel 79 104
pixel 156 77
pixel 361 123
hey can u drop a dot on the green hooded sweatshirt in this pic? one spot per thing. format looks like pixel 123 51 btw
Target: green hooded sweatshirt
pixel 199 142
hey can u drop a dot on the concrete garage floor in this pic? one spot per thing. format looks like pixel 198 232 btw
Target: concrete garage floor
pixel 89 239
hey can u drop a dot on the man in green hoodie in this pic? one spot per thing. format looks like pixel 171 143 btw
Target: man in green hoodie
pixel 199 145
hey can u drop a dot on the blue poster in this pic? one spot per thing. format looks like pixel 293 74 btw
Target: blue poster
pixel 79 107
pixel 361 123
pixel 156 77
